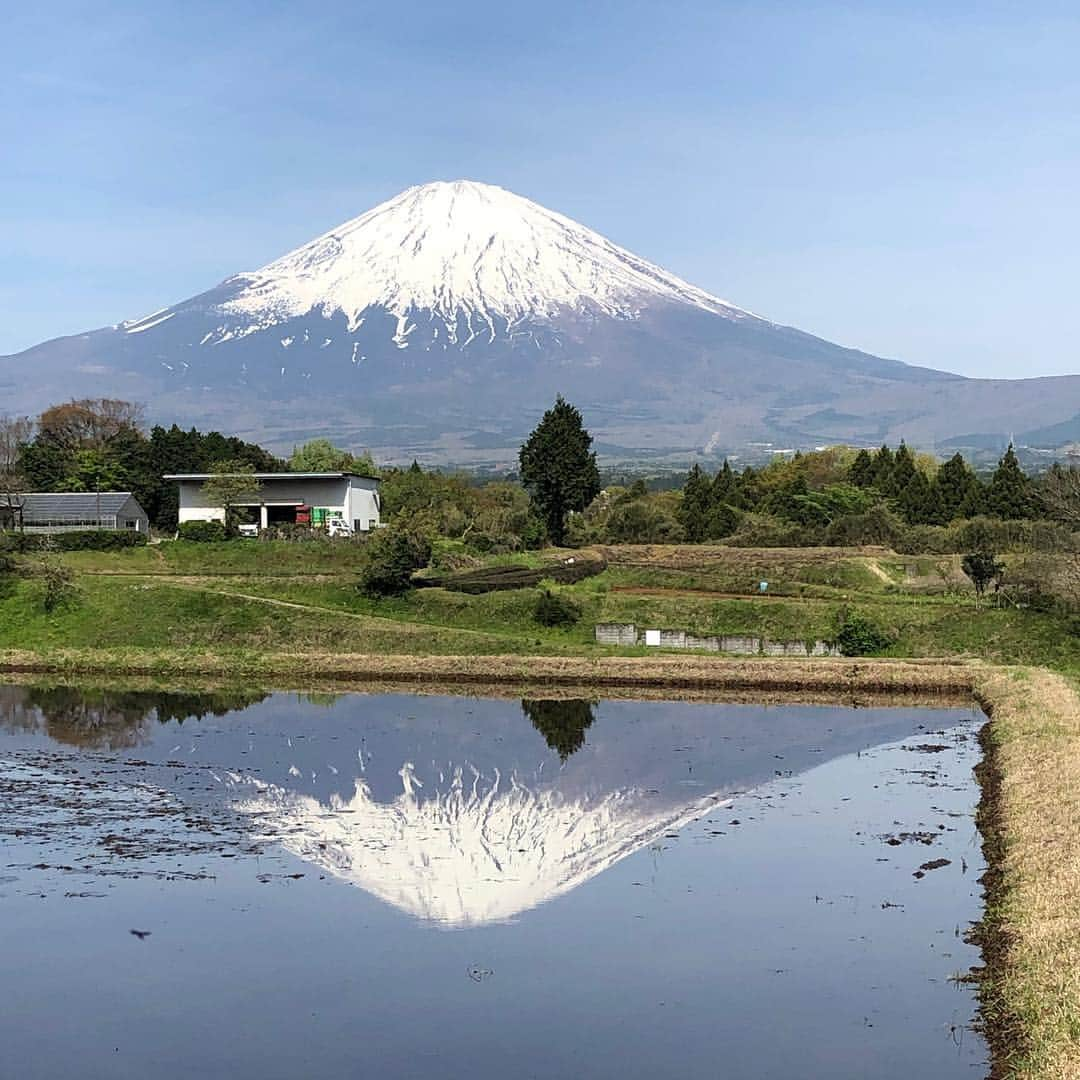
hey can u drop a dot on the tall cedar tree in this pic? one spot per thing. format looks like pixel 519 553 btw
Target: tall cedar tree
pixel 957 483
pixel 1009 495
pixel 903 471
pixel 696 503
pixel 883 468
pixel 862 470
pixel 558 468
pixel 725 486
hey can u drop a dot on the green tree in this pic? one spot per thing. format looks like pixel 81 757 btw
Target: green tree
pixel 693 512
pixel 883 468
pixel 920 502
pixel 391 557
pixel 957 484
pixel 641 522
pixel 1009 495
pixel 558 467
pixel 230 483
pixel 982 567
pixel 903 471
pixel 725 486
pixel 94 469
pixel 321 455
pixel 862 470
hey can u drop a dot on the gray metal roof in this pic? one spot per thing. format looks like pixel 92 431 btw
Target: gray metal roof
pixel 83 504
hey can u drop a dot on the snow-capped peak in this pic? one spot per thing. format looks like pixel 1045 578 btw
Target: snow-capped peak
pixel 461 250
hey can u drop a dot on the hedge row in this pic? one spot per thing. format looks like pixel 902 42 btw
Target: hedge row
pixel 78 540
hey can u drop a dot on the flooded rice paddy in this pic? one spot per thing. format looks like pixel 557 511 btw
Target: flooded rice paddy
pixel 402 886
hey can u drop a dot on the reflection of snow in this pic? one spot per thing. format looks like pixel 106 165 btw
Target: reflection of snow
pixel 479 850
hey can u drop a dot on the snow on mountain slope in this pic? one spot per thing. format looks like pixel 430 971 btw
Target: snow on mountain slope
pixel 458 250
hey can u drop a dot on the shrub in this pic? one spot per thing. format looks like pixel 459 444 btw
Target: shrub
pixel 553 609
pixel 860 636
pixel 391 557
pixel 761 530
pixel 77 540
pixel 983 568
pixel 58 579
pixel 202 532
pixel 878 525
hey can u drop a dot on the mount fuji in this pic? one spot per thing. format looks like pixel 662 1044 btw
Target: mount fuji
pixel 441 323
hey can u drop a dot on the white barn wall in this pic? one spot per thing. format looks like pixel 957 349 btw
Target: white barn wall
pixel 355 498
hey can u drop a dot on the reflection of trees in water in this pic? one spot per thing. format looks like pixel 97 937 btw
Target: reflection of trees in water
pixel 107 719
pixel 562 723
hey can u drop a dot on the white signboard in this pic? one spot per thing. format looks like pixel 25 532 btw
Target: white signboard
pixel 652 637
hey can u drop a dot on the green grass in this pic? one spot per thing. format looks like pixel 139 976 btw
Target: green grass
pixel 147 614
pixel 922 626
pixel 260 558
pixel 119 608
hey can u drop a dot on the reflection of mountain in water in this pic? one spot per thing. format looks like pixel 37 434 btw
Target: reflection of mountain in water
pixel 467 821
pixel 451 809
pixel 463 847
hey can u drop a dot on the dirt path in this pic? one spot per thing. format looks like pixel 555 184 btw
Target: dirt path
pixel 317 609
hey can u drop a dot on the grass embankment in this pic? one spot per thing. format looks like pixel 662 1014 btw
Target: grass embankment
pixel 1030 818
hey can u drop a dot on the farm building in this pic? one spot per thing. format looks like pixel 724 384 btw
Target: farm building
pixel 290 499
pixel 67 511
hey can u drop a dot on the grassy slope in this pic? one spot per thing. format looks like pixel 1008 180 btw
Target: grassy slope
pixel 179 595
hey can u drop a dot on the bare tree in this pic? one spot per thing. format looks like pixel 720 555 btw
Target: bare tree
pixel 90 422
pixel 1059 491
pixel 15 433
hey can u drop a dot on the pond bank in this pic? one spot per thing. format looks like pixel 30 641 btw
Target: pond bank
pixel 1030 821
pixel 675 672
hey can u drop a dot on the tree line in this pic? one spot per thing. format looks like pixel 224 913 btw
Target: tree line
pixel 101 444
pixel 840 496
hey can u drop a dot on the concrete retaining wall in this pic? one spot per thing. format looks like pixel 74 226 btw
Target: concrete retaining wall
pixel 736 645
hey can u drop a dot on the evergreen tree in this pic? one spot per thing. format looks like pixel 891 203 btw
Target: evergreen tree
pixel 749 488
pixel 903 472
pixel 696 503
pixel 920 501
pixel 883 467
pixel 957 483
pixel 974 504
pixel 1009 495
pixel 862 470
pixel 724 485
pixel 558 468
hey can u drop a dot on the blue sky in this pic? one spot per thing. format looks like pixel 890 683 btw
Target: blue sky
pixel 899 177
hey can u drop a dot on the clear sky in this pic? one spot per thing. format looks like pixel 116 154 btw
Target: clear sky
pixel 902 177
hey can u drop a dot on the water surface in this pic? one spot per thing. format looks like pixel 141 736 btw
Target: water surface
pixel 401 886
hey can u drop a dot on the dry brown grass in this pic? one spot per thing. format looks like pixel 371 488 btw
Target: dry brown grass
pixel 714 556
pixel 824 676
pixel 1031 821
